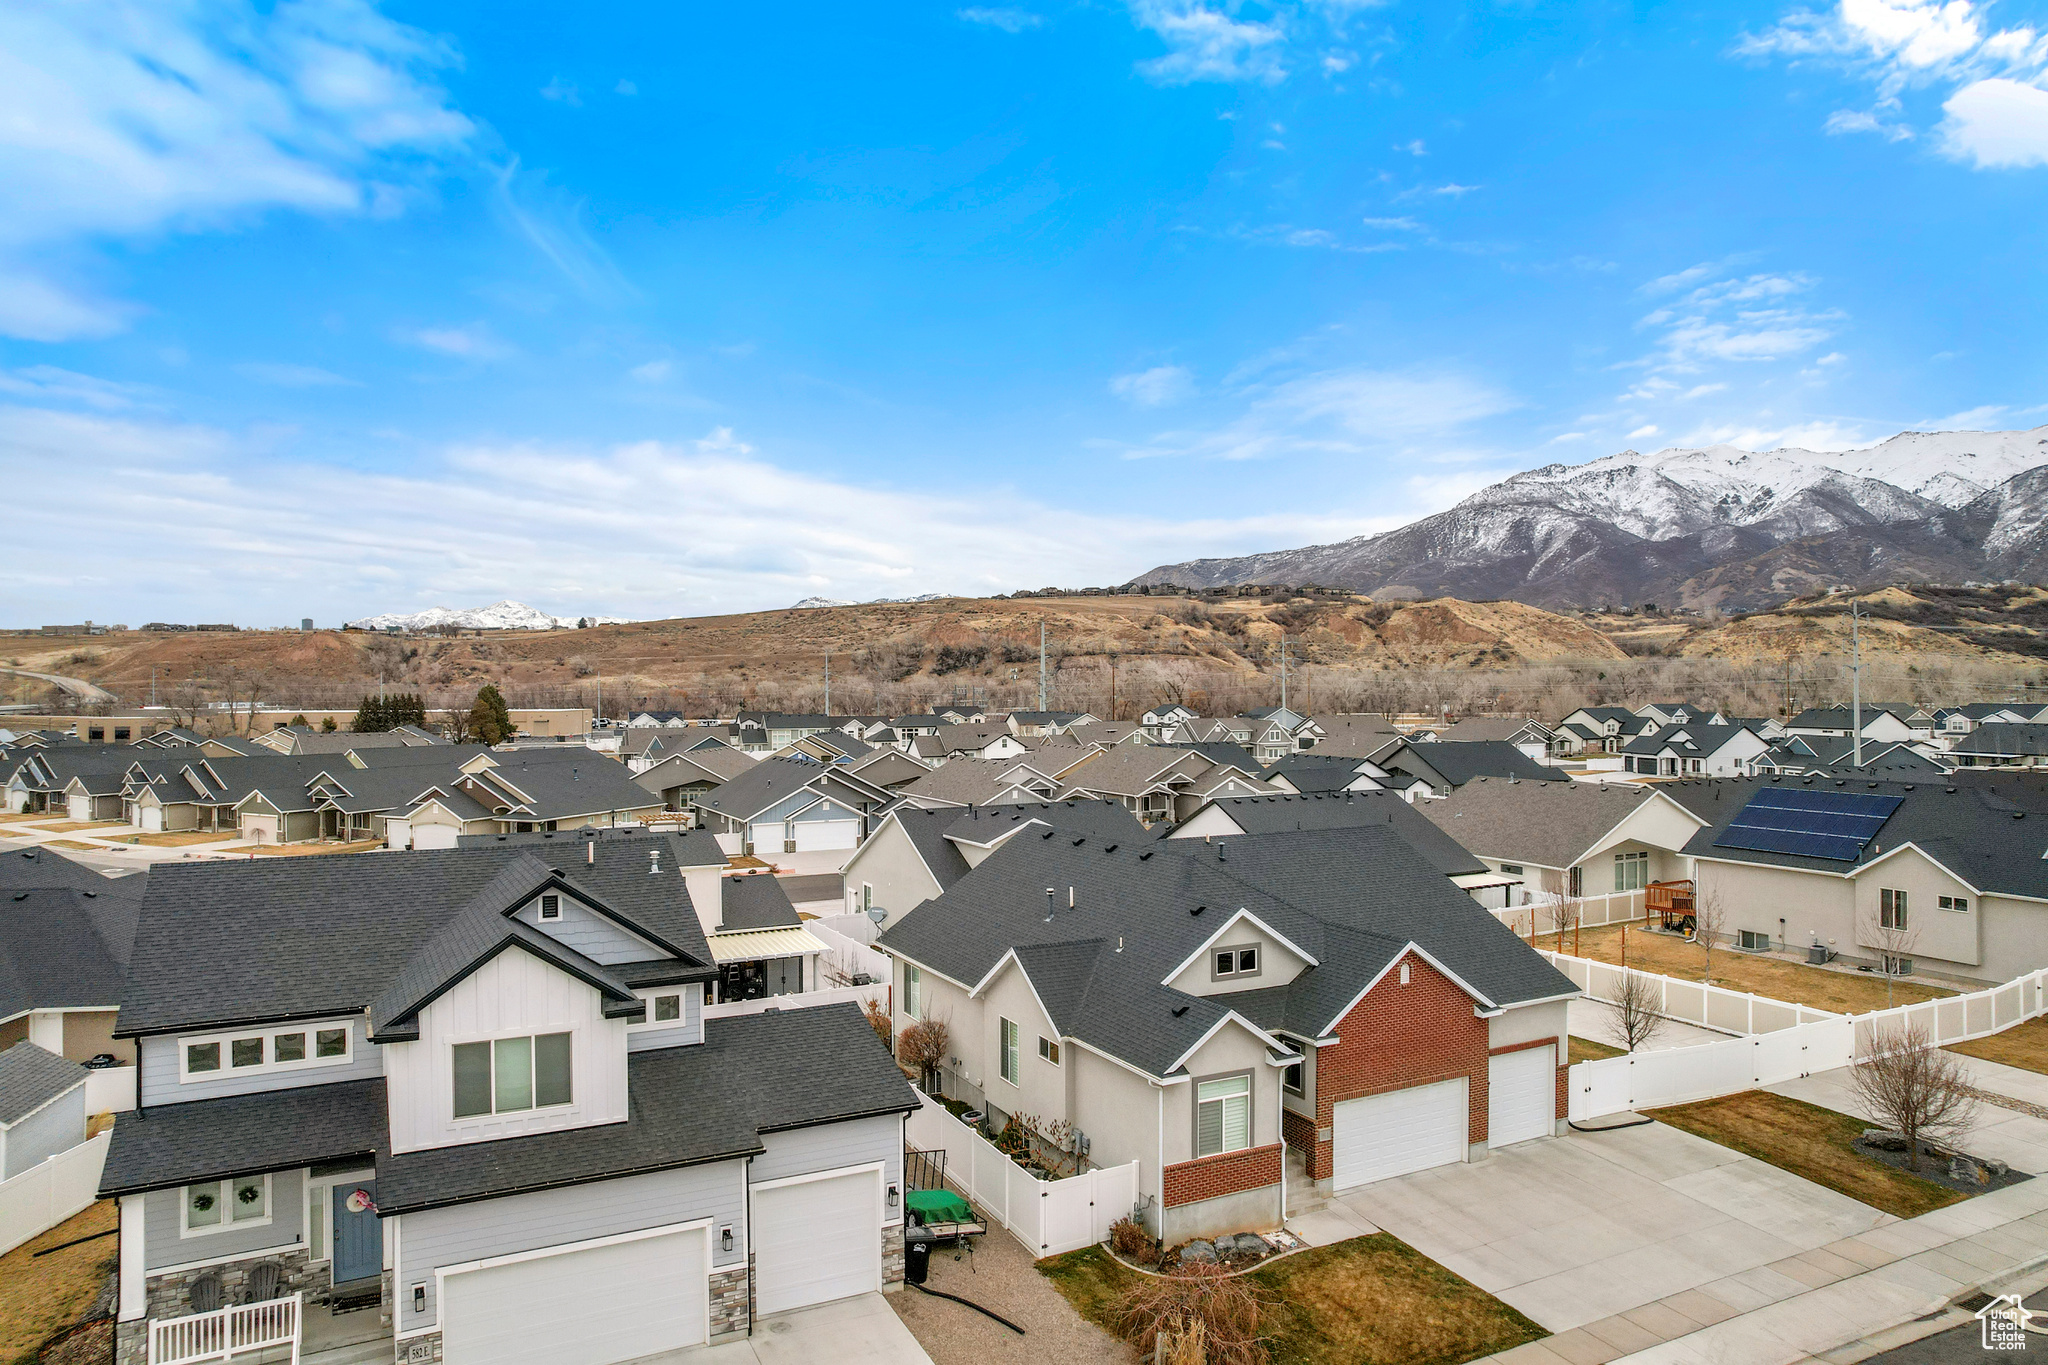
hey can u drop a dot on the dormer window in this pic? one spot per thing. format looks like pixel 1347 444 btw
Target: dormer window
pixel 550 906
pixel 1237 962
pixel 512 1075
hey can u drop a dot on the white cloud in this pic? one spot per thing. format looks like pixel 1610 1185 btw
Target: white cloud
pixel 562 92
pixel 625 87
pixel 1006 18
pixel 1985 418
pixel 1997 123
pixel 474 342
pixel 46 383
pixel 1700 391
pixel 1801 436
pixel 163 512
pixel 1641 432
pixel 1338 60
pixel 552 223
pixel 1338 411
pixel 1205 44
pixel 1159 387
pixel 1738 318
pixel 1456 191
pixel 1394 224
pixel 1996 107
pixel 291 376
pixel 1415 148
pixel 123 119
pixel 653 372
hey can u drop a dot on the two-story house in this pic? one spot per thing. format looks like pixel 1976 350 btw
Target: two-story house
pixel 1206 1008
pixel 474 1095
pixel 791 811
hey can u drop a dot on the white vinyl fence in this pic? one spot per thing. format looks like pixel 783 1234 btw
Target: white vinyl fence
pixel 1959 1018
pixel 1047 1216
pixel 847 957
pixel 225 1333
pixel 1537 912
pixel 46 1194
pixel 110 1090
pixel 859 995
pixel 1691 1002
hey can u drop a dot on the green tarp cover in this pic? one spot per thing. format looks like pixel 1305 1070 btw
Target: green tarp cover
pixel 939 1206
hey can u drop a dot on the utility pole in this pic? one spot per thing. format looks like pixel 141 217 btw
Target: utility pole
pixel 1855 682
pixel 152 689
pixel 1283 672
pixel 1041 665
pixel 828 682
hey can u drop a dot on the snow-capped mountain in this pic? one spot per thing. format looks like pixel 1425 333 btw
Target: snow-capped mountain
pixel 810 602
pixel 872 602
pixel 1711 526
pixel 498 616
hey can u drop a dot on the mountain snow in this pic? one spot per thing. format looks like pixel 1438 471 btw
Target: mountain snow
pixel 873 601
pixel 498 616
pixel 809 602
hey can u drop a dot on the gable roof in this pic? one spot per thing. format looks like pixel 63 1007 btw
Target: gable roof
pixel 1456 762
pixel 755 901
pixel 2008 740
pixel 30 1077
pixel 1348 810
pixel 1547 824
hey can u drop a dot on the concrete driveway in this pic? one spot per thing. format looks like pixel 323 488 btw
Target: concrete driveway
pixel 857 1331
pixel 1669 1229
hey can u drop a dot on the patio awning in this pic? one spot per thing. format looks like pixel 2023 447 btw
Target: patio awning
pixel 763 943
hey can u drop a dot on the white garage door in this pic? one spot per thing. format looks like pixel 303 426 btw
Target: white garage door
pixel 587 1305
pixel 1521 1095
pixel 434 836
pixel 152 818
pixel 260 829
pixel 816 834
pixel 817 1240
pixel 766 838
pixel 1387 1135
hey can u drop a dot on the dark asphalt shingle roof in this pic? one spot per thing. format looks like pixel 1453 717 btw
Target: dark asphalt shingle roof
pixel 2004 739
pixel 986 824
pixel 53 955
pixel 30 1077
pixel 1349 810
pixel 272 1130
pixel 757 901
pixel 1459 761
pixel 337 932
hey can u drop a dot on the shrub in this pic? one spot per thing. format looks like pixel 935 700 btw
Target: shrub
pixel 1128 1239
pixel 1200 1314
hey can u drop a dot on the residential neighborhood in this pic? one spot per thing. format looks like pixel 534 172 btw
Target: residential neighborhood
pixel 691 1031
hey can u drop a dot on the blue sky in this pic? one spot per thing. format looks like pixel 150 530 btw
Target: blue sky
pixel 326 308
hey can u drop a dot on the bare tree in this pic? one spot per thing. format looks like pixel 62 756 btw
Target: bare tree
pixel 1909 1084
pixel 1892 931
pixel 1709 925
pixel 1633 1011
pixel 1565 917
pixel 926 1045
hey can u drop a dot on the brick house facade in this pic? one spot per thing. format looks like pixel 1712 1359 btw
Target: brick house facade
pixel 1211 1177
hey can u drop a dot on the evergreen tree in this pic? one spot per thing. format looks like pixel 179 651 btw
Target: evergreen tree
pixel 327 725
pixel 490 720
pixel 372 717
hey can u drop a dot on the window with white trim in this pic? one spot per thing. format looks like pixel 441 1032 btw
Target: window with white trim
pixel 1236 962
pixel 1294 1079
pixel 913 991
pixel 1049 1049
pixel 1223 1115
pixel 1631 871
pixel 1960 904
pixel 255 1052
pixel 1009 1059
pixel 218 1205
pixel 1891 908
pixel 664 1008
pixel 512 1075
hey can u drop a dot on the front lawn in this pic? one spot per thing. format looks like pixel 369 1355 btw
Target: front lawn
pixel 1368 1301
pixel 41 1295
pixel 2022 1045
pixel 1586 1050
pixel 1820 988
pixel 183 837
pixel 1809 1141
pixel 310 850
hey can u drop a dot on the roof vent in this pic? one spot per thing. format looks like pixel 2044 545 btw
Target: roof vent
pixel 1078 842
pixel 1196 911
pixel 1110 849
pixel 1051 899
pixel 21 895
pixel 1146 854
pixel 653 861
pixel 1179 1010
pixel 2019 815
pixel 1048 834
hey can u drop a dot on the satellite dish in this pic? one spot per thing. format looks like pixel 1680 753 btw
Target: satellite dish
pixel 359 1201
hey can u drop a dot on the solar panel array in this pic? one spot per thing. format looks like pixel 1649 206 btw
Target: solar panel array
pixel 1809 823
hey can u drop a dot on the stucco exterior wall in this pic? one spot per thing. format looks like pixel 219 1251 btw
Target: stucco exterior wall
pixel 890 864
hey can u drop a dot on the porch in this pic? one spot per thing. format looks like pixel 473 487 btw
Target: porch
pixel 284 1331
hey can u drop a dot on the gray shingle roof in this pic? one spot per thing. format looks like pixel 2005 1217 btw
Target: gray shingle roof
pixel 242 941
pixel 1549 824
pixel 2004 740
pixel 1459 761
pixel 1350 810
pixel 30 1077
pixel 757 901
pixel 1350 898
pixel 986 824
pixel 52 953
pixel 273 1130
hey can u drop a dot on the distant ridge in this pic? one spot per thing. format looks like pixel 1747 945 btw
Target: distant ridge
pixel 1702 527
pixel 498 616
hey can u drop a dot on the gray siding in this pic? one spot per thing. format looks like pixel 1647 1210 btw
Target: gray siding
pixel 163 1246
pixel 832 1145
pixel 159 1074
pixel 688 1030
pixel 57 1127
pixel 545 1218
pixel 591 934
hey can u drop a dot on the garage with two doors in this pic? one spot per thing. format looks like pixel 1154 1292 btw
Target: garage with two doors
pixel 1400 1132
pixel 817 1238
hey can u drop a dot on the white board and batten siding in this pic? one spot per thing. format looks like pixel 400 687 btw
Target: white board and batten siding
pixel 157 1067
pixel 514 993
pixel 464 1233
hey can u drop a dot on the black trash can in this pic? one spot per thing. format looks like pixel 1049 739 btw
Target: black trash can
pixel 917 1257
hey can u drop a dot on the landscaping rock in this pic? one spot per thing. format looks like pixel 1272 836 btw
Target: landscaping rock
pixel 1241 1244
pixel 1884 1139
pixel 1198 1252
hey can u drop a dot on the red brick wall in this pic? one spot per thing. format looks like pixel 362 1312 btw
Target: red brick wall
pixel 1298 1129
pixel 1231 1173
pixel 1399 1036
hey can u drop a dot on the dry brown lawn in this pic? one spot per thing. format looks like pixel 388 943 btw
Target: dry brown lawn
pixel 1809 1141
pixel 313 850
pixel 1586 1050
pixel 41 1295
pixel 75 845
pixel 2022 1045
pixel 1820 988
pixel 1368 1301
pixel 73 826
pixel 182 838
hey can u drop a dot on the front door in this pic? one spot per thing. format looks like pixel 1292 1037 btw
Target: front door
pixel 358 1240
